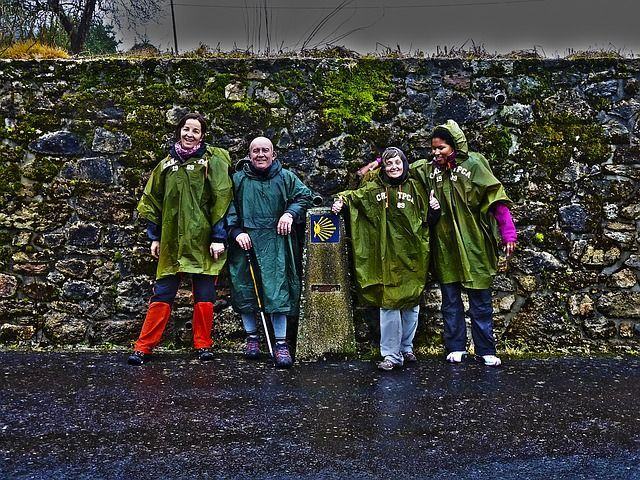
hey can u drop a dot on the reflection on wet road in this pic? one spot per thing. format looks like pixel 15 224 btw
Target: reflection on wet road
pixel 91 416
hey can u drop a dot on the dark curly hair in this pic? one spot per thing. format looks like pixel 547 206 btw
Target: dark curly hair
pixel 191 116
pixel 445 135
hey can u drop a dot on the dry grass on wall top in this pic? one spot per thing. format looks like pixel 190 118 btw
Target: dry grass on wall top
pixel 32 50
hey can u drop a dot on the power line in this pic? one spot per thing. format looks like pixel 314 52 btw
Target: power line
pixel 370 7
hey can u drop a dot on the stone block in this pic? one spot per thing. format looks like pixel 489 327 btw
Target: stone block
pixel 626 329
pixel 633 261
pixel 63 329
pixel 620 304
pixel 175 113
pixel 505 303
pixel 527 282
pixel 533 261
pixel 61 143
pixel 581 305
pixel 83 235
pixel 97 170
pixel 632 211
pixel 106 141
pixel 8 285
pixel 119 332
pixel 624 279
pixel 10 333
pixel 600 327
pixel 74 267
pixel 79 291
pixel 517 114
pixel 40 291
pixel 31 269
pixel 575 218
pixel 235 92
pixel 267 95
pixel 118 236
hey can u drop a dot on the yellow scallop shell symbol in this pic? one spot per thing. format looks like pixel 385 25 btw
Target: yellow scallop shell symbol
pixel 323 229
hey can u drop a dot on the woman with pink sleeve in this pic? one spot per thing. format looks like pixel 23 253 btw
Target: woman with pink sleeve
pixel 465 242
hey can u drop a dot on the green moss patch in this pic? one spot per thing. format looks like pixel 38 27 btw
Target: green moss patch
pixel 352 95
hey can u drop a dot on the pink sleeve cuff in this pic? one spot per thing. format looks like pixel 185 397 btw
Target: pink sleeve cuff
pixel 505 223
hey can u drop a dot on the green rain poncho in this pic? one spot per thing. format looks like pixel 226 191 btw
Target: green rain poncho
pixel 464 244
pixel 260 201
pixel 390 242
pixel 187 199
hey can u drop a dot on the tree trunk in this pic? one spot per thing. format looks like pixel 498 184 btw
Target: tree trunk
pixel 78 29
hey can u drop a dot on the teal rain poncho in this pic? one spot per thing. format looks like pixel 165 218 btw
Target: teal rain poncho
pixel 465 241
pixel 390 242
pixel 186 200
pixel 260 202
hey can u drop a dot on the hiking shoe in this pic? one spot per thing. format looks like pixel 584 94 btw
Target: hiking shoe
pixel 456 357
pixel 204 354
pixel 252 348
pixel 489 360
pixel 409 357
pixel 137 358
pixel 387 365
pixel 282 356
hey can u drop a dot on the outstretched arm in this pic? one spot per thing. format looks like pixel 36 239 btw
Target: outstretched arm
pixel 506 227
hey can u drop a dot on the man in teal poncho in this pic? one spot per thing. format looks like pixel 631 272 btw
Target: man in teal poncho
pixel 268 201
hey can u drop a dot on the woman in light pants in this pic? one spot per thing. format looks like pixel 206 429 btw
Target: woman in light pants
pixel 397 329
pixel 390 217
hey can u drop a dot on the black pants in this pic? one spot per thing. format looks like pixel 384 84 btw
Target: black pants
pixel 202 286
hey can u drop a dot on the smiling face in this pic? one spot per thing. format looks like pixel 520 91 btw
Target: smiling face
pixel 440 149
pixel 190 133
pixel 394 167
pixel 261 153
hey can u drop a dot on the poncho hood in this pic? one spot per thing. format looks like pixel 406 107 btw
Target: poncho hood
pixel 461 146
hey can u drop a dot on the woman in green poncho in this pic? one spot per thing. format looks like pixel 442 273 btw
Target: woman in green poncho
pixel 390 238
pixel 464 242
pixel 184 203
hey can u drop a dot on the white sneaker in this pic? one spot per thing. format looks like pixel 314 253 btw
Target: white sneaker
pixel 491 361
pixel 456 357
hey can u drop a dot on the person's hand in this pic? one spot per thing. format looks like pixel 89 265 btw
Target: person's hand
pixel 369 166
pixel 244 240
pixel 216 249
pixel 433 201
pixel 509 248
pixel 337 205
pixel 284 224
pixel 155 249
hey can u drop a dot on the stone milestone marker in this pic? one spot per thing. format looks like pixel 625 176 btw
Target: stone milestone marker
pixel 326 320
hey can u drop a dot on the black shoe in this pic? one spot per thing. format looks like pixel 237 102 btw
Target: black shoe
pixel 252 348
pixel 409 357
pixel 205 354
pixel 137 358
pixel 283 357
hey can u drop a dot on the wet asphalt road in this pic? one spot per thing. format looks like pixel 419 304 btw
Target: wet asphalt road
pixel 92 416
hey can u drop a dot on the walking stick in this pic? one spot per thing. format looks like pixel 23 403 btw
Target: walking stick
pixel 259 299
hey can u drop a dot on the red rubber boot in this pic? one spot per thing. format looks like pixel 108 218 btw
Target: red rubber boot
pixel 153 327
pixel 202 328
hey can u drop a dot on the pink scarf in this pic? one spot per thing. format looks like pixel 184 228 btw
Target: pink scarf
pixel 186 153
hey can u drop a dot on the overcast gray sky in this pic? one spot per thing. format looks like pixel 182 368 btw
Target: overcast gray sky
pixel 500 25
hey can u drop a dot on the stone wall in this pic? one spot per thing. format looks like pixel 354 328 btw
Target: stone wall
pixel 79 138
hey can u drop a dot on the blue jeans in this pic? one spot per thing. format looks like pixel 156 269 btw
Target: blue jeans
pixel 203 287
pixel 481 313
pixel 278 320
pixel 397 329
